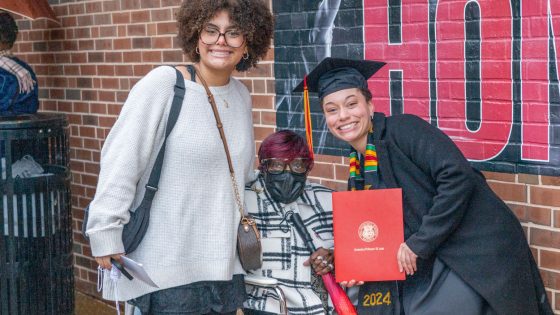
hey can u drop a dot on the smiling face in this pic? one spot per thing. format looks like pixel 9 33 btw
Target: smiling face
pixel 348 116
pixel 220 56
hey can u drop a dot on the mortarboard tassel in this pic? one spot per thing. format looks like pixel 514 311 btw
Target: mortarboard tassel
pixel 307 116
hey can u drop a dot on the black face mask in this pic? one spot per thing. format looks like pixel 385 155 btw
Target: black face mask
pixel 285 187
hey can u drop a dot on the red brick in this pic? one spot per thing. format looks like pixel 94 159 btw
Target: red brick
pixel 550 180
pixel 110 83
pixel 132 56
pixel 106 70
pixel 106 96
pixel 528 179
pixel 92 144
pixel 149 4
pixel 130 4
pixel 107 121
pixel 85 20
pixel 140 16
pixel 151 56
pixel 503 177
pixel 256 118
pixel 121 17
pixel 545 238
pixel 167 28
pixel 87 132
pixel 545 196
pixel 102 19
pixel 160 15
pixel 557 218
pixel 535 215
pixel 263 101
pixel 259 86
pixel 322 170
pixel 136 30
pixel 174 56
pixel 509 191
pixel 162 42
pixel 114 109
pixel 76 9
pixel 142 70
pixel 341 172
pixel 550 259
pixel 261 70
pixel 262 132
pixel 111 5
pixel 83 155
pixel 91 168
pixel 268 118
pixel 329 159
pixel 151 30
pixel 88 70
pixel 104 44
pixel 270 86
pixel 338 186
pixel 89 180
pixel 93 7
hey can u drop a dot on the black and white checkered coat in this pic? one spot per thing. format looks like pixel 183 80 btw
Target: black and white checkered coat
pixel 284 250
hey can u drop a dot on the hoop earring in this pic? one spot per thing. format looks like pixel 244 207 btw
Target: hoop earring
pixel 246 55
pixel 197 51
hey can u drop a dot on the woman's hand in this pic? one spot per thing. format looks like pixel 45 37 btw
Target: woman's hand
pixel 407 259
pixel 321 261
pixel 105 261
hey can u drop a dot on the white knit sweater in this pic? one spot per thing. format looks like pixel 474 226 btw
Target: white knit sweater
pixel 194 218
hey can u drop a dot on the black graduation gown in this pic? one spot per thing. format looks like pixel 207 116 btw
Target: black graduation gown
pixel 451 212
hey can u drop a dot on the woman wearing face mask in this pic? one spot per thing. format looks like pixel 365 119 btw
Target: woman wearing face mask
pixel 464 251
pixel 280 190
pixel 189 249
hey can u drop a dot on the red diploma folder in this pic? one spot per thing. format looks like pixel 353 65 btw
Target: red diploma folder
pixel 368 230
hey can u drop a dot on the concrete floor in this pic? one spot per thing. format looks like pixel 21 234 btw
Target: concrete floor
pixel 87 305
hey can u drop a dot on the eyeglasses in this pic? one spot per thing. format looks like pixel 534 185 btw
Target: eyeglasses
pixel 277 166
pixel 211 36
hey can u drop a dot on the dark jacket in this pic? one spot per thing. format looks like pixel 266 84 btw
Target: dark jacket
pixel 451 212
pixel 13 102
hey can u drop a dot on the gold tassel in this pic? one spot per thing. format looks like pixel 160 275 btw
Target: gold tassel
pixel 307 117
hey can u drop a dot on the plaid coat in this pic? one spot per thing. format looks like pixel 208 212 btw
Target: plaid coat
pixel 284 251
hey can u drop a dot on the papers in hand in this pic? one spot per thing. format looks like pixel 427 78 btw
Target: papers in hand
pixel 137 271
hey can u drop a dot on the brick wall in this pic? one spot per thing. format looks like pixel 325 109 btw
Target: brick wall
pixel 87 66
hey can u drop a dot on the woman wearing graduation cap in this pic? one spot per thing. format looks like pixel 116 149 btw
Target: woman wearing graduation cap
pixel 464 250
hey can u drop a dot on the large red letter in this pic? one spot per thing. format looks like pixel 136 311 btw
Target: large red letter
pixel 396 32
pixel 495 86
pixel 535 76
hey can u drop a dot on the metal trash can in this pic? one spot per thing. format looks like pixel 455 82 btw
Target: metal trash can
pixel 36 267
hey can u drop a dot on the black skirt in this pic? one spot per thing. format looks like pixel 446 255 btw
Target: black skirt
pixel 204 297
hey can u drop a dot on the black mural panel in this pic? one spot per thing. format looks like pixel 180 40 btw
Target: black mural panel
pixel 307 31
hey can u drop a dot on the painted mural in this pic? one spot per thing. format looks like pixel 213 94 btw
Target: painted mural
pixel 485 72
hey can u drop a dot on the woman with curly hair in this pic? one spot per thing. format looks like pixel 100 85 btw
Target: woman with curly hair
pixel 189 249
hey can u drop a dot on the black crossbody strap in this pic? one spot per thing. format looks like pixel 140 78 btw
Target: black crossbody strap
pixel 153 181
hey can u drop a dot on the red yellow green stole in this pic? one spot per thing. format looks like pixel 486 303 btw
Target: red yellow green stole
pixel 363 173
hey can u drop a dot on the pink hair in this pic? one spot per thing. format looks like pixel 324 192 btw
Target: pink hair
pixel 285 144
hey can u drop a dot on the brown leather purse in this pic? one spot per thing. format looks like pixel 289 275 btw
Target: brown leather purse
pixel 248 236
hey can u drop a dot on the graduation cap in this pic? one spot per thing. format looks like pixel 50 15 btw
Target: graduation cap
pixel 333 75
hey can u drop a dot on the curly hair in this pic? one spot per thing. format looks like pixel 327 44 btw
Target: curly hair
pixel 8 30
pixel 252 17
